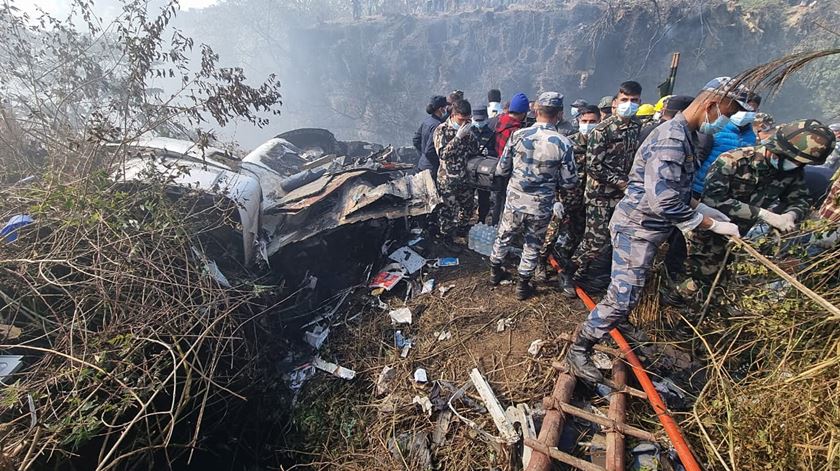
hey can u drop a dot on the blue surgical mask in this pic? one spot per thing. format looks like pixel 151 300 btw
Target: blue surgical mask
pixel 742 118
pixel 713 128
pixel 586 128
pixel 574 111
pixel 454 124
pixel 786 165
pixel 626 109
pixel 479 124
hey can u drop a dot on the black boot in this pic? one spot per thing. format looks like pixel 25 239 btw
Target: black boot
pixel 497 273
pixel 564 280
pixel 524 290
pixel 580 361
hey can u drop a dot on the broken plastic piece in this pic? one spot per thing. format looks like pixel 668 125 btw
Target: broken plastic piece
pixel 444 289
pixel 502 324
pixel 388 277
pixel 428 286
pixel 508 433
pixel 420 375
pixel 409 259
pixel 9 365
pixel 424 403
pixel 400 316
pixel 445 335
pixel 9 231
pixel 385 380
pixel 535 347
pixel 316 336
pixel 333 369
pixel 447 262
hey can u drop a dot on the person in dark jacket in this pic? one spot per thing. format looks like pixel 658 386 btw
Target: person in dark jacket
pixel 486 137
pixel 738 133
pixel 423 141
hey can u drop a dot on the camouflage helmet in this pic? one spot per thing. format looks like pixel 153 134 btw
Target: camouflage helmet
pixel 764 121
pixel 807 142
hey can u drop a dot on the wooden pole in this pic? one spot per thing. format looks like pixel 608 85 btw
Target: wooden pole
pixel 617 412
pixel 553 423
pixel 560 456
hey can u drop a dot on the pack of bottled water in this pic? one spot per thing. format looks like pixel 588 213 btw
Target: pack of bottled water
pixel 481 238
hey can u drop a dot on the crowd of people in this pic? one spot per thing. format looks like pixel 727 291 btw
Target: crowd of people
pixel 597 192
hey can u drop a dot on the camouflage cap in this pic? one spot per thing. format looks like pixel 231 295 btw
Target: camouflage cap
pixel 727 87
pixel 580 103
pixel 606 102
pixel 807 142
pixel 764 121
pixel 551 99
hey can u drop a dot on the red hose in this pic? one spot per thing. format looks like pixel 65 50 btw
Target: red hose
pixel 668 422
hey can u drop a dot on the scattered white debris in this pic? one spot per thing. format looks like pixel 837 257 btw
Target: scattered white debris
pixel 406 348
pixel 445 335
pixel 420 375
pixel 316 336
pixel 333 369
pixel 508 433
pixel 424 403
pixel 535 347
pixel 428 286
pixel 409 259
pixel 503 324
pixel 506 282
pixel 400 316
pixel 385 380
pixel 444 289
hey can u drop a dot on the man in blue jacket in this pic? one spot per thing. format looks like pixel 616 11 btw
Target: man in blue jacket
pixel 738 133
pixel 423 141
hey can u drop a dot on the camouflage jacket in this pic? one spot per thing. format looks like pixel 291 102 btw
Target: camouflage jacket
pixel 453 154
pixel 540 163
pixel 659 188
pixel 741 182
pixel 609 155
pixel 574 198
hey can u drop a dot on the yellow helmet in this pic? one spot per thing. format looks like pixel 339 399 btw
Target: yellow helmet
pixel 646 110
pixel 661 103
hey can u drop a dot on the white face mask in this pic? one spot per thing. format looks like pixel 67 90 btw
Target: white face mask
pixel 626 109
pixel 742 118
pixel 787 165
pixel 586 128
pixel 479 124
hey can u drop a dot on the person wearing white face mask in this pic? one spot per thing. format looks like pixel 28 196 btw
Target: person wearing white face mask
pixel 575 111
pixel 752 184
pixel 737 133
pixel 564 234
pixel 657 200
pixel 609 154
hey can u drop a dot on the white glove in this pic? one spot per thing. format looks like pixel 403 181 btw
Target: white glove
pixel 725 228
pixel 783 222
pixel 711 212
pixel 463 131
pixel 558 210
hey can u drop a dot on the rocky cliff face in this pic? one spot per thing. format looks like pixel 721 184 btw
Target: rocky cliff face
pixel 371 79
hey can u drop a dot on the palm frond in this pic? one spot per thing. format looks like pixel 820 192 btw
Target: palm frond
pixel 772 75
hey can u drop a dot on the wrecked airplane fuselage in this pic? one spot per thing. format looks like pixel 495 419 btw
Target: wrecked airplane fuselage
pixel 282 197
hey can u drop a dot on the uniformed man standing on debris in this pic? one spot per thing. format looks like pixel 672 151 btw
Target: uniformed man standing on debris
pixel 751 184
pixel 658 199
pixel 539 161
pixel 564 234
pixel 609 154
pixel 455 143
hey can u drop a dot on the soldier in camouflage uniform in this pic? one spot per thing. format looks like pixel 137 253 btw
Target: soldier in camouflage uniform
pixel 539 161
pixel 564 234
pixel 609 155
pixel 743 183
pixel 455 144
pixel 658 199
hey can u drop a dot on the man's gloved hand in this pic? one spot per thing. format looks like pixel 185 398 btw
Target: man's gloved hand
pixel 463 131
pixel 783 222
pixel 558 210
pixel 725 228
pixel 711 212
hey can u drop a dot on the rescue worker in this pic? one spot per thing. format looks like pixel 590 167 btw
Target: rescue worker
pixel 752 184
pixel 606 106
pixel 833 161
pixel 658 199
pixel 564 233
pixel 564 126
pixel 575 110
pixel 763 126
pixel 510 121
pixel 738 133
pixel 455 143
pixel 645 113
pixel 494 103
pixel 539 161
pixel 486 138
pixel 673 105
pixel 423 139
pixel 609 154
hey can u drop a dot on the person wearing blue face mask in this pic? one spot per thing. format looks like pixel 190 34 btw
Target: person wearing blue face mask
pixel 737 133
pixel 486 137
pixel 609 154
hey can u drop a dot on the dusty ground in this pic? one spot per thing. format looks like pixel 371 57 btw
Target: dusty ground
pixel 345 425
